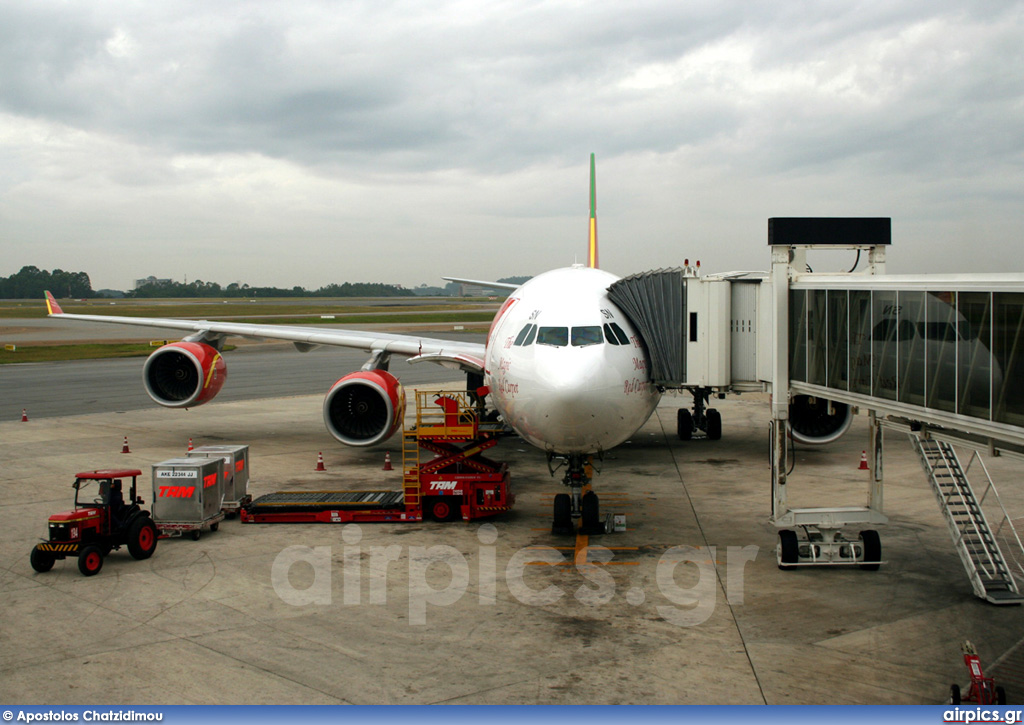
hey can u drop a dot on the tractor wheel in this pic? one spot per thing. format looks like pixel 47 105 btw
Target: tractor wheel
pixel 196 533
pixel 872 549
pixel 684 424
pixel 714 429
pixel 214 526
pixel 441 509
pixel 90 560
pixel 41 560
pixel 790 549
pixel 954 694
pixel 142 538
pixel 1000 695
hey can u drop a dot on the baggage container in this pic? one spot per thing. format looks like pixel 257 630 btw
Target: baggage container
pixel 187 495
pixel 236 473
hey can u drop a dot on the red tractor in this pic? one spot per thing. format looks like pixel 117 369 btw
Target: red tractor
pixel 103 520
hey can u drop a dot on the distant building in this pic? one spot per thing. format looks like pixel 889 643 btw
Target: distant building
pixel 151 280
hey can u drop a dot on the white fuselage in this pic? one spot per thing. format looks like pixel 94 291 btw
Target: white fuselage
pixel 565 368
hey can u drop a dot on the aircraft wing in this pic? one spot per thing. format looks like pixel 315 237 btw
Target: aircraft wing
pixel 484 284
pixel 450 353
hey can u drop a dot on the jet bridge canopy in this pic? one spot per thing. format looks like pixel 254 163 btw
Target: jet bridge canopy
pixel 947 350
pixel 655 302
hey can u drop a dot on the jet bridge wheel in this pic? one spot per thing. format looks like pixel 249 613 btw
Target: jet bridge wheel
pixel 789 549
pixel 684 424
pixel 872 549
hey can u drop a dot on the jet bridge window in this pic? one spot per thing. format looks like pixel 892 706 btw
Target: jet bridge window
pixel 526 335
pixel 584 336
pixel 556 336
pixel 615 334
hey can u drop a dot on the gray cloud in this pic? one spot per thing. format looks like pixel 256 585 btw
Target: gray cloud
pixel 332 125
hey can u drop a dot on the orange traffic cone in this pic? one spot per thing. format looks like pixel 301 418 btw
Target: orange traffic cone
pixel 190 444
pixel 387 461
pixel 863 461
pixel 320 462
pixel 124 448
pixel 24 416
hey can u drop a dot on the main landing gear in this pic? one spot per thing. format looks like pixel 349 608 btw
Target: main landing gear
pixel 580 503
pixel 702 418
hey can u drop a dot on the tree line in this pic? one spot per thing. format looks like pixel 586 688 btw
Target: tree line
pixel 30 283
pixel 199 288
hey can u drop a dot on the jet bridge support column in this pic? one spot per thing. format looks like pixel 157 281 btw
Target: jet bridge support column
pixel 824 543
pixel 781 258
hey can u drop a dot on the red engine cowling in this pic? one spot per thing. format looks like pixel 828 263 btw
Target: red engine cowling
pixel 184 374
pixel 365 407
pixel 816 420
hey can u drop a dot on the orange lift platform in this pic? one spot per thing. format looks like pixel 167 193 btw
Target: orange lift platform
pixel 445 476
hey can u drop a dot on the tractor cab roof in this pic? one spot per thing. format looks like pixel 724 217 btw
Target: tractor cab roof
pixel 104 474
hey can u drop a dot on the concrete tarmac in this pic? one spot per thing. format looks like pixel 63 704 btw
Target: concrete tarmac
pixel 685 607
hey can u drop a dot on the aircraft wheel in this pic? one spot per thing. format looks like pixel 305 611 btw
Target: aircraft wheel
pixel 41 560
pixel 714 419
pixel 954 694
pixel 790 549
pixel 562 522
pixel 142 538
pixel 90 560
pixel 872 549
pixel 590 522
pixel 684 424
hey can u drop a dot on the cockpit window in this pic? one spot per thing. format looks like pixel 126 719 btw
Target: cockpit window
pixel 531 335
pixel 523 335
pixel 615 334
pixel 583 336
pixel 557 336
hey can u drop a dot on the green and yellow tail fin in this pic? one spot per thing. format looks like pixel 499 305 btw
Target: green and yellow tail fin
pixel 592 247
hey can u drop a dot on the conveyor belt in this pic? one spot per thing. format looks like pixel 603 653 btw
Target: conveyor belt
pixel 284 501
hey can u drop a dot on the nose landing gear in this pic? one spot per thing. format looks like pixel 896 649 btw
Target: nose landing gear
pixel 580 503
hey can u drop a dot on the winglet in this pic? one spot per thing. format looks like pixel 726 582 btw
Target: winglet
pixel 592 247
pixel 51 305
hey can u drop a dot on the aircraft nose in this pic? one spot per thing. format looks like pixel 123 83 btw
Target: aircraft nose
pixel 579 404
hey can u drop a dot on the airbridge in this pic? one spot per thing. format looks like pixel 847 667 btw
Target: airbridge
pixel 937 357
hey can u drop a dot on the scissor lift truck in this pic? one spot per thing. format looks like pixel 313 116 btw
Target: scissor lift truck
pixel 455 482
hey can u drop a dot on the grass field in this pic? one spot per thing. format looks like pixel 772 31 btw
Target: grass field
pixel 90 351
pixel 240 310
pixel 475 313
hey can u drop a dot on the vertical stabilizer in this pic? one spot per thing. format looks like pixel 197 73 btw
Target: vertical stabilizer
pixel 592 246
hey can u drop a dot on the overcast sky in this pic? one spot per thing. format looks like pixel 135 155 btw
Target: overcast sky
pixel 304 143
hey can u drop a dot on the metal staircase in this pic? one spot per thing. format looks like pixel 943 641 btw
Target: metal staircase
pixel 991 576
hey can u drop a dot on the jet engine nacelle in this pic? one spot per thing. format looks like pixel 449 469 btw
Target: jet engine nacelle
pixel 365 407
pixel 811 422
pixel 184 374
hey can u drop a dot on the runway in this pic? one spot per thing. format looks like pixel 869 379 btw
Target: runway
pixel 254 371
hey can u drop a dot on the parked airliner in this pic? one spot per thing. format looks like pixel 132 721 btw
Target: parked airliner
pixel 561 365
